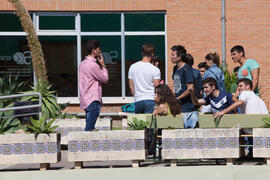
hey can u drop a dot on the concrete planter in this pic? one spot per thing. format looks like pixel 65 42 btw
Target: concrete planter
pixel 200 143
pixel 106 145
pixel 71 125
pixel 26 148
pixel 261 143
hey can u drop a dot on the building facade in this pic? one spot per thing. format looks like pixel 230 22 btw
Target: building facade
pixel 122 26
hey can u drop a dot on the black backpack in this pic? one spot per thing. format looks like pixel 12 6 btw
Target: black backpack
pixel 196 86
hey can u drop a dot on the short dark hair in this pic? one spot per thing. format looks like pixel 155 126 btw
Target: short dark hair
pixel 148 50
pixel 211 81
pixel 239 49
pixel 190 59
pixel 246 82
pixel 203 65
pixel 155 59
pixel 91 45
pixel 214 57
pixel 180 52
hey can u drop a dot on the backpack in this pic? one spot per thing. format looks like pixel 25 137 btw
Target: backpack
pixel 197 87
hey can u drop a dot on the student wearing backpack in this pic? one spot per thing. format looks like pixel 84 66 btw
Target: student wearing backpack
pixel 184 80
pixel 212 61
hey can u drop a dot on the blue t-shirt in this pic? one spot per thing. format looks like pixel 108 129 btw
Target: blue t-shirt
pixel 221 102
pixel 182 77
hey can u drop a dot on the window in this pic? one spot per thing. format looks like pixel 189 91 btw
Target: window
pixel 60 54
pixel 111 51
pixel 101 22
pixel 63 36
pixel 10 22
pixel 15 58
pixel 56 22
pixel 133 52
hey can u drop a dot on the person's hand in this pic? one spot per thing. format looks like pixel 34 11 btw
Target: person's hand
pixel 218 114
pixel 101 60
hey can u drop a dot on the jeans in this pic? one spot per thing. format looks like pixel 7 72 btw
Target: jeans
pixel 144 107
pixel 190 119
pixel 92 113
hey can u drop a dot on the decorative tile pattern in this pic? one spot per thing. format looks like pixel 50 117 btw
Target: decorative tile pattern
pixel 29 148
pixel 106 145
pixel 200 143
pixel 260 142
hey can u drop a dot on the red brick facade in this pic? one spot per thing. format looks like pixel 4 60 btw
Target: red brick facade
pixel 196 24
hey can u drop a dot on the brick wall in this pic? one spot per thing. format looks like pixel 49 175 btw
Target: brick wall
pixel 196 24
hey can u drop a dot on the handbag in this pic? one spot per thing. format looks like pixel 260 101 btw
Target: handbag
pixel 151 137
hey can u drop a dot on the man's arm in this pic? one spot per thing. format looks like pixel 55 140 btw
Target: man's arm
pixel 131 86
pixel 156 82
pixel 255 78
pixel 195 100
pixel 235 96
pixel 186 92
pixel 229 109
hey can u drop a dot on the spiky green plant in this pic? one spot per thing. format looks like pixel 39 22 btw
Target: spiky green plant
pixel 8 124
pixel 42 126
pixel 10 85
pixel 229 77
pixel 137 124
pixel 50 108
pixel 32 39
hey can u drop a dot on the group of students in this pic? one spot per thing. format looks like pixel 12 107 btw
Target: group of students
pixel 194 88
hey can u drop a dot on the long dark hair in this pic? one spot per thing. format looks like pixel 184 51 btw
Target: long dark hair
pixel 166 96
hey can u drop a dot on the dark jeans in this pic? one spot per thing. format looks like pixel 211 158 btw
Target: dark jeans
pixel 92 113
pixel 144 107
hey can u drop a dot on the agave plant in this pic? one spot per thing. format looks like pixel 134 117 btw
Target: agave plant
pixel 137 124
pixel 10 85
pixel 42 126
pixel 50 108
pixel 8 124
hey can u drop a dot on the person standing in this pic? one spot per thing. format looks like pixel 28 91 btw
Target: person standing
pixel 143 77
pixel 183 80
pixel 249 68
pixel 212 61
pixel 92 73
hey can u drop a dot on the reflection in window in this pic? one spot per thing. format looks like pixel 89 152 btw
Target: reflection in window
pixel 15 58
pixel 60 54
pixel 111 51
pixel 134 53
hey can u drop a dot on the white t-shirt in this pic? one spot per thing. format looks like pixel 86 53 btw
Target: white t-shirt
pixel 143 75
pixel 253 104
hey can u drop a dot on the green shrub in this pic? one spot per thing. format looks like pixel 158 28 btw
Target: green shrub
pixel 230 78
pixel 42 126
pixel 266 121
pixel 137 124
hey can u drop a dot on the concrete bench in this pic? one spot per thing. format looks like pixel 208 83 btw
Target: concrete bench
pixel 205 121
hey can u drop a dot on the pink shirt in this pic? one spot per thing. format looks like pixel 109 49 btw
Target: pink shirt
pixel 90 79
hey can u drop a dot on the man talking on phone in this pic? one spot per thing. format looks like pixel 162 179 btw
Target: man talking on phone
pixel 92 73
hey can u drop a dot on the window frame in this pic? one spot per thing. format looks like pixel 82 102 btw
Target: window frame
pixel 78 33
